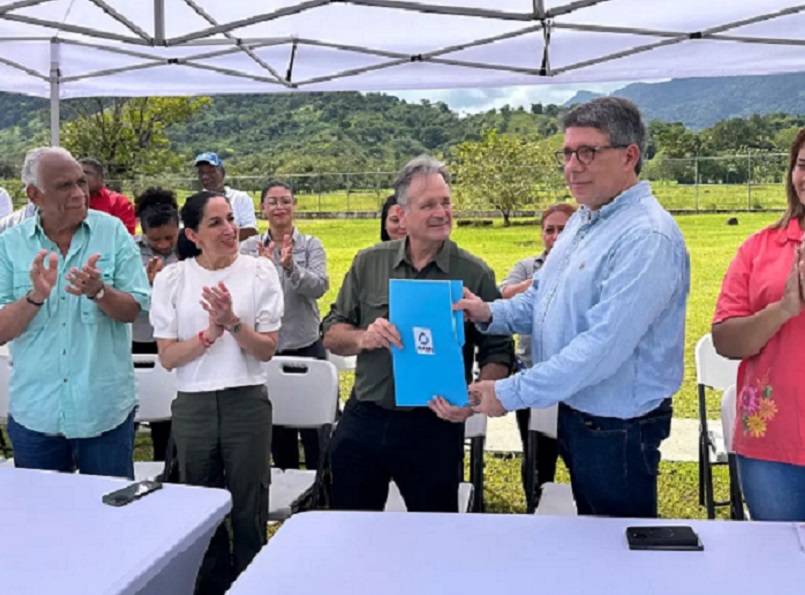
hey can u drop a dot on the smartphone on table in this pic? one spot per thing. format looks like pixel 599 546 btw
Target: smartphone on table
pixel 669 538
pixel 131 493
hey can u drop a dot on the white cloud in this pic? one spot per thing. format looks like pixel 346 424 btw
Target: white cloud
pixel 480 100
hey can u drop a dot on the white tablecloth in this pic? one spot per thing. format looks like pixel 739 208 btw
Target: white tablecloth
pixel 56 536
pixel 467 554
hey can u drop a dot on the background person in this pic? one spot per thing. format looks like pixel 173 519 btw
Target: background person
pixel 391 225
pixel 302 267
pixel 211 174
pixel 105 200
pixel 158 213
pixel 520 278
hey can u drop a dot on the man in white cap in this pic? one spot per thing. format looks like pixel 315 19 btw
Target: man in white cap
pixel 211 173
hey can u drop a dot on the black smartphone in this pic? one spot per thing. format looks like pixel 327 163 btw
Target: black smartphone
pixel 131 493
pixel 668 538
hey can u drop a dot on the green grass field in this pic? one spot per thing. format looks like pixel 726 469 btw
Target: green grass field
pixel 675 197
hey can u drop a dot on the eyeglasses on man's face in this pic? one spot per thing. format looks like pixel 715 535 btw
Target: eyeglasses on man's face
pixel 585 155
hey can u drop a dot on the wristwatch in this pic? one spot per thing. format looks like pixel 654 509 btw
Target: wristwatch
pixel 99 295
pixel 235 328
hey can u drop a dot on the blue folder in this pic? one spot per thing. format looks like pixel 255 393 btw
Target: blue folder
pixel 431 362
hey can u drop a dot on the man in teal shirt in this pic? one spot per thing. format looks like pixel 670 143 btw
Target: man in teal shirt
pixel 71 281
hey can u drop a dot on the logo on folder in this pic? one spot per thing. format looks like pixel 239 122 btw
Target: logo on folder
pixel 423 339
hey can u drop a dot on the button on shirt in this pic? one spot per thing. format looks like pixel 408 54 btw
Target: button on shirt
pixel 305 283
pixel 364 297
pixel 73 372
pixel 606 313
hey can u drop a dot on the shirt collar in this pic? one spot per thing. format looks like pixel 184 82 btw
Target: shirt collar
pixel 792 233
pixel 37 226
pixel 295 236
pixel 624 199
pixel 541 258
pixel 442 259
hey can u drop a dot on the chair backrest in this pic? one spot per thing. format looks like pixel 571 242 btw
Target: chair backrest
pixel 343 364
pixel 303 391
pixel 155 386
pixel 475 426
pixel 713 370
pixel 728 416
pixel 5 379
pixel 545 420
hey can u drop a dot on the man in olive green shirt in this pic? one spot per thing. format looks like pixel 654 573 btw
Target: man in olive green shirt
pixel 420 448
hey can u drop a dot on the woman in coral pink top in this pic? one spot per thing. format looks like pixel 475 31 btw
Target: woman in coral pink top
pixel 760 319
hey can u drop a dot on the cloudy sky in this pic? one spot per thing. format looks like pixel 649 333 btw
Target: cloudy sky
pixel 478 100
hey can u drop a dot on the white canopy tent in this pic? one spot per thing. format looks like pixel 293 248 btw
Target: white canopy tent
pixel 81 48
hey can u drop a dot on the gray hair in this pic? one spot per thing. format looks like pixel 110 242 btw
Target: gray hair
pixel 424 165
pixel 30 167
pixel 619 118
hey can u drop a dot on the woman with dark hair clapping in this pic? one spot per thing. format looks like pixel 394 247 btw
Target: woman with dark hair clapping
pixel 216 317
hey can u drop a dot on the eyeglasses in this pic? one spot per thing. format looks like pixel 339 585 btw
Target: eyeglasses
pixel 585 155
pixel 285 202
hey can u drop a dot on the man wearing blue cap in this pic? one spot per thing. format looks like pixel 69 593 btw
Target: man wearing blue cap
pixel 210 169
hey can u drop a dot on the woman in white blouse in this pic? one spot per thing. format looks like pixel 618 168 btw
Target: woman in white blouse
pixel 216 316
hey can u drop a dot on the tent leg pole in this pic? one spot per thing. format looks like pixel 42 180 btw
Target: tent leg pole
pixel 54 92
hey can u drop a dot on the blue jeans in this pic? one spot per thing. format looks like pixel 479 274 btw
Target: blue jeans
pixel 773 491
pixel 614 463
pixel 111 453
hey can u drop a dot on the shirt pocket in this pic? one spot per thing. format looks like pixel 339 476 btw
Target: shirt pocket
pixel 90 312
pixel 299 255
pixel 373 306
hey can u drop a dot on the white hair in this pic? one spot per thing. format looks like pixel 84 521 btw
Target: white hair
pixel 30 167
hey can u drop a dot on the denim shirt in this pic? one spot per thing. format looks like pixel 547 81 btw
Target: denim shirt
pixel 606 313
pixel 73 372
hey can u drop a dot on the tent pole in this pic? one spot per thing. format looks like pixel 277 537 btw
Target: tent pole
pixel 159 22
pixel 54 92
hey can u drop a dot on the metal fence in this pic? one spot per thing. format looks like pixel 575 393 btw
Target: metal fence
pixel 752 181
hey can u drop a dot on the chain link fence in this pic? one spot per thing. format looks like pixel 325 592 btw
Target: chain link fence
pixel 752 181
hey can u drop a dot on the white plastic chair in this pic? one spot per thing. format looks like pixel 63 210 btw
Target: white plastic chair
pixel 470 494
pixel 555 498
pixel 155 386
pixel 717 373
pixel 156 390
pixel 728 415
pixel 343 363
pixel 304 394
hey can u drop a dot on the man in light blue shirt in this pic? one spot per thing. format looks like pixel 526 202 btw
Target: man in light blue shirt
pixel 70 282
pixel 606 315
